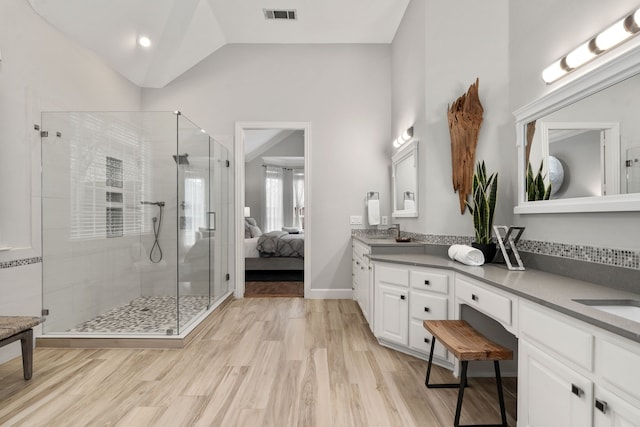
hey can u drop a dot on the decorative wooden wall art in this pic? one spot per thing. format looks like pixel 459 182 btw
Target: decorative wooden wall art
pixel 531 130
pixel 465 119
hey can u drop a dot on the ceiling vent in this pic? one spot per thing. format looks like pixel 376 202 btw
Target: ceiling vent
pixel 280 15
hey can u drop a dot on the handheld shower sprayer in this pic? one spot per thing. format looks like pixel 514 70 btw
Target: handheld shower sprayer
pixel 157 223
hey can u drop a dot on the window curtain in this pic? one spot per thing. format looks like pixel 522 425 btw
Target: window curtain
pixel 298 198
pixel 274 211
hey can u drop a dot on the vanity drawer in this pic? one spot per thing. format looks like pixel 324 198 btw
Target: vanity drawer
pixel 420 340
pixel 423 306
pixel 430 280
pixel 484 300
pixel 392 275
pixel 557 334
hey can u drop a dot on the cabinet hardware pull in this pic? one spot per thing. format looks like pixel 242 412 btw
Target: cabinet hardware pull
pixel 426 309
pixel 427 340
pixel 576 390
pixel 402 297
pixel 601 405
pixel 426 282
pixel 474 297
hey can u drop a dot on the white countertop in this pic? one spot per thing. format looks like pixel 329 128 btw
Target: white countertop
pixel 551 290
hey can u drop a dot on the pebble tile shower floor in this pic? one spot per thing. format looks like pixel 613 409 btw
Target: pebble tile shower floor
pixel 148 315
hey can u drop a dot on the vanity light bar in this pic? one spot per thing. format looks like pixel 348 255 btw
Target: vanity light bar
pixel 406 135
pixel 607 39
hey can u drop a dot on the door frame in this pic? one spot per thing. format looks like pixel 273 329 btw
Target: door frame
pixel 239 197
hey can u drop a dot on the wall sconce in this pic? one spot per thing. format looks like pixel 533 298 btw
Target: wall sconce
pixel 247 211
pixel 607 39
pixel 406 135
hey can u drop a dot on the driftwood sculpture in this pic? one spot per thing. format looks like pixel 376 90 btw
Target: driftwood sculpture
pixel 531 130
pixel 465 119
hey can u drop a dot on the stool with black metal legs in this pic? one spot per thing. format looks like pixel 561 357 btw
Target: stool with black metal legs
pixel 467 344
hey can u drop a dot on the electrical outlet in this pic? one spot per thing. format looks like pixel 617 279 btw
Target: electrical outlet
pixel 355 220
pixel 385 220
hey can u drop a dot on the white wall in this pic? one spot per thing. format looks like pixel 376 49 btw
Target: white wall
pixel 343 90
pixel 538 38
pixel 439 50
pixel 41 70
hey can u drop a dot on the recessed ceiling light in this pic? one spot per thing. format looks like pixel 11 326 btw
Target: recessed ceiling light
pixel 144 41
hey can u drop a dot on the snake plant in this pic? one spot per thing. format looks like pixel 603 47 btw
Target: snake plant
pixel 535 185
pixel 483 203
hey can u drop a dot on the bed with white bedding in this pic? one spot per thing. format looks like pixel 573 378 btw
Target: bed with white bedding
pixel 273 256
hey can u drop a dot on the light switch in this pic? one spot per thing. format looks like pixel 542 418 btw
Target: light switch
pixel 355 220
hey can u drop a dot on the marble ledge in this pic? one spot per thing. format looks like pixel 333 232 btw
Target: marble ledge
pixel 547 289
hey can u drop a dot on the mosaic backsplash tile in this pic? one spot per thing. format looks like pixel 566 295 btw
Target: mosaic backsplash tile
pixel 20 262
pixel 607 256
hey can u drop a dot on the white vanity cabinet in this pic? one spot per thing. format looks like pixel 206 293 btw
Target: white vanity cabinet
pixel 391 321
pixel 362 284
pixel 550 393
pixel 612 411
pixel 574 374
pixel 405 296
pixel 428 300
pixel 499 305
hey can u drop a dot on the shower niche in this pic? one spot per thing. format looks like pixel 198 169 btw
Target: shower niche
pixel 127 244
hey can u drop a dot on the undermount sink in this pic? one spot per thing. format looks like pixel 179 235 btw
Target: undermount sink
pixel 629 309
pixel 379 237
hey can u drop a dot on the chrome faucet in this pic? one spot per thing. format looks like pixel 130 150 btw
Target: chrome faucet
pixel 397 228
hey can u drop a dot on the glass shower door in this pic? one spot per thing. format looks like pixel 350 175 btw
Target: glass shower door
pixel 192 160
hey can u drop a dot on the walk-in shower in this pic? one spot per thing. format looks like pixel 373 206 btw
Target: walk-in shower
pixel 128 247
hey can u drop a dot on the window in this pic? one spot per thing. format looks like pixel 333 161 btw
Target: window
pixel 108 166
pixel 273 198
pixel 195 208
pixel 298 198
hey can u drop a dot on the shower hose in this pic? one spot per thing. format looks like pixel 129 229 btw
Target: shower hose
pixel 157 223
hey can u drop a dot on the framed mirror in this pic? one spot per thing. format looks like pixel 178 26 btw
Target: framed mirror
pixel 404 175
pixel 585 137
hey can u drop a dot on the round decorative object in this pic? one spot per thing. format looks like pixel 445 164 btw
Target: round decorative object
pixel 556 173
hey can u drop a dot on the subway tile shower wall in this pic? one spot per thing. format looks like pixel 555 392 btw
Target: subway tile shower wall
pixel 606 256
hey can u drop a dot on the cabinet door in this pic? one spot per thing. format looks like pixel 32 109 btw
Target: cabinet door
pixel 549 393
pixel 362 289
pixel 392 313
pixel 611 411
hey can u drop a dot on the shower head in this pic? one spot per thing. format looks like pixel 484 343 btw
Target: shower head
pixel 181 159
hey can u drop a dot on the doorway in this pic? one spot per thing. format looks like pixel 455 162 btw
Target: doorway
pixel 272 204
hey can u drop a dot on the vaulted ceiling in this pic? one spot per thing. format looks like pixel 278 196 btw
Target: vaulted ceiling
pixel 184 32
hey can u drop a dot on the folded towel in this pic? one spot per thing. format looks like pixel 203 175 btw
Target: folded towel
pixel 291 230
pixel 466 255
pixel 409 205
pixel 373 211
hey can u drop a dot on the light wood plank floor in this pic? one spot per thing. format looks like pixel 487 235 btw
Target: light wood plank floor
pixel 258 362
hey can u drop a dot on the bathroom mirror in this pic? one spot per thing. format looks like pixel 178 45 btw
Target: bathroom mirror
pixel 404 175
pixel 586 135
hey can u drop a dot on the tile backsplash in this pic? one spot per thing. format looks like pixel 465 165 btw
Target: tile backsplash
pixel 606 256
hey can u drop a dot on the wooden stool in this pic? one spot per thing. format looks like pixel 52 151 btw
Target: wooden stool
pixel 14 328
pixel 466 344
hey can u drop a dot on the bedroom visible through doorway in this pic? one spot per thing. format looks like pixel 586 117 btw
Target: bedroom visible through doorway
pixel 274 223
